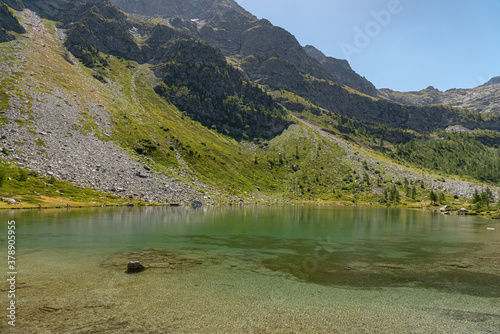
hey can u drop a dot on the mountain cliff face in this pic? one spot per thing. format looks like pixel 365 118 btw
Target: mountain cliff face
pixel 342 72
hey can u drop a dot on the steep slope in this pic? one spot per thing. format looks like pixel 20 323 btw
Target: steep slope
pixel 196 77
pixel 484 98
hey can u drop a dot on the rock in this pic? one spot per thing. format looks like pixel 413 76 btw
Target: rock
pixel 444 208
pixel 463 210
pixel 197 204
pixel 295 168
pixel 141 174
pixel 146 168
pixel 134 267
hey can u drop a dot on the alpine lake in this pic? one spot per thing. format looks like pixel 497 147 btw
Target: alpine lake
pixel 252 269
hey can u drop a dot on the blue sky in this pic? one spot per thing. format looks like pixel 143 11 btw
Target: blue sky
pixel 399 44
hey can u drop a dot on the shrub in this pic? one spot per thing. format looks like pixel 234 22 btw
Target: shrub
pixel 22 175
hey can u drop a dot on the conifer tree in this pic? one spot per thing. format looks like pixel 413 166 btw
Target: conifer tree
pixel 413 192
pixel 433 197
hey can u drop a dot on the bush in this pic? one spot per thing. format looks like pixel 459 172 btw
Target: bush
pixel 22 176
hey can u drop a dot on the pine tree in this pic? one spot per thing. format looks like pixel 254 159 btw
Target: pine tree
pixel 381 143
pixel 487 196
pixel 433 197
pixel 441 198
pixel 413 192
pixel 476 198
pixel 366 178
pixel 394 194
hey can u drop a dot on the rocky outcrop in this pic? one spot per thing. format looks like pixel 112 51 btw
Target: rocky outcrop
pixel 342 72
pixel 100 28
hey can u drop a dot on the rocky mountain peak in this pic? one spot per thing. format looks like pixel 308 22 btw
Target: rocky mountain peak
pixel 432 88
pixel 342 71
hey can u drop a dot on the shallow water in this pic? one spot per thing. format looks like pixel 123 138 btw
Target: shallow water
pixel 255 270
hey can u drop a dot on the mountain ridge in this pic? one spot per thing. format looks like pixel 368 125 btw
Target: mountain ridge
pixel 484 98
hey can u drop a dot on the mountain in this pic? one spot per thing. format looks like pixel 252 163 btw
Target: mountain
pixel 484 98
pixel 257 44
pixel 174 101
pixel 271 56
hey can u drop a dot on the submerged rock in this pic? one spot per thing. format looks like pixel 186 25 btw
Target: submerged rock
pixel 134 267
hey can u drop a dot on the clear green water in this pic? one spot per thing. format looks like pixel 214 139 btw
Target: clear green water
pixel 255 269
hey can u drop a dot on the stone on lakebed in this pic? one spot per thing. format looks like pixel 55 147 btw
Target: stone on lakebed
pixel 134 267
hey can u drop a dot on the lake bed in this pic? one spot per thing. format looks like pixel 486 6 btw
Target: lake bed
pixel 255 270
